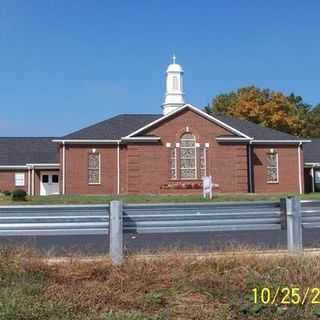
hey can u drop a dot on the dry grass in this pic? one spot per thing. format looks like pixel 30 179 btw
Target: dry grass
pixel 169 287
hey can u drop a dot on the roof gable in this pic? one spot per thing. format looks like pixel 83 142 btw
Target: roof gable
pixel 196 110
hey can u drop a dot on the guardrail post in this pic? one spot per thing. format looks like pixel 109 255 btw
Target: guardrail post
pixel 116 232
pixel 283 214
pixel 294 225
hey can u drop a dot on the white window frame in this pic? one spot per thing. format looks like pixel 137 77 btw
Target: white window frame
pixel 195 158
pixel 173 164
pixel 277 167
pixel 204 168
pixel 19 179
pixel 99 182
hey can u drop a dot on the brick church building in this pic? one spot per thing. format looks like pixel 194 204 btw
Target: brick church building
pixel 156 153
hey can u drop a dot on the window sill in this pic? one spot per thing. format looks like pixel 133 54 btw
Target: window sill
pixel 272 182
pixel 94 184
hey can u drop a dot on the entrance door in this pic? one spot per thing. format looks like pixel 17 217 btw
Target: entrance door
pixel 49 184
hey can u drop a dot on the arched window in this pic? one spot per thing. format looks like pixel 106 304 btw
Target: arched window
pixel 188 164
pixel 175 83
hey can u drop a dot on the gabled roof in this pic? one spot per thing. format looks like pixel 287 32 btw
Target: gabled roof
pixel 114 128
pixel 312 151
pixel 133 125
pixel 256 131
pixel 18 151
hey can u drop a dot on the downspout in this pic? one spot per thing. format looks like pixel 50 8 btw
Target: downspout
pixel 32 184
pixel 63 167
pixel 29 181
pixel 118 168
pixel 299 167
pixel 312 177
pixel 250 167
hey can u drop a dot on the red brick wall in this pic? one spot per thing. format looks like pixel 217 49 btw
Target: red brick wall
pixel 76 179
pixel 144 167
pixel 148 165
pixel 288 169
pixel 7 180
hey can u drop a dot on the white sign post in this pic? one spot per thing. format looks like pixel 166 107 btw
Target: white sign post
pixel 207 186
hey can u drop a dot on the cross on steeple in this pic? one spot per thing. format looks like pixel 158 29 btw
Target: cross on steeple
pixel 174 59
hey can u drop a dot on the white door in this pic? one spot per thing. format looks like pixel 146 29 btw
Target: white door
pixel 49 184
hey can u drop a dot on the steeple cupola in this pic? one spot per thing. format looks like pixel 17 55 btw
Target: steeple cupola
pixel 174 88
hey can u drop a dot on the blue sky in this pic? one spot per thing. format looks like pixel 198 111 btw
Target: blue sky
pixel 67 64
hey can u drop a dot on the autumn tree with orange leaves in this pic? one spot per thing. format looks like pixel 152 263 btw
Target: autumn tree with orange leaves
pixel 269 108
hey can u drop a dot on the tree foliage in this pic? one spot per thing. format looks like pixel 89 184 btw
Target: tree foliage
pixel 271 109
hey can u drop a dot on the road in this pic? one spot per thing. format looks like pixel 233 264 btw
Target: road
pixel 152 243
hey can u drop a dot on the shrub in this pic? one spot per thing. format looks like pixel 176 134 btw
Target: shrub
pixel 19 195
pixel 6 193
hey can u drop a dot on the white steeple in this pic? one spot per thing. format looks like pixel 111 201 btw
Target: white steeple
pixel 174 88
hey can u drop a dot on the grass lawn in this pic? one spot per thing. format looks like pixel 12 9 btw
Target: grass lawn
pixel 88 199
pixel 166 288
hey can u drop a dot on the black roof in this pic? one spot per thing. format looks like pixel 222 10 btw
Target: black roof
pixel 254 130
pixel 120 126
pixel 23 150
pixel 312 151
pixel 114 128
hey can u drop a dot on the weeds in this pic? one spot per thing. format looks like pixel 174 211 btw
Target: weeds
pixel 175 287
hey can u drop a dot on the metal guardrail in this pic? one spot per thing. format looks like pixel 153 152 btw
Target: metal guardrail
pixel 197 217
pixel 34 220
pixel 310 211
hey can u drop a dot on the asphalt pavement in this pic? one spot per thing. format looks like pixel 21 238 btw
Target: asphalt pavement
pixel 153 243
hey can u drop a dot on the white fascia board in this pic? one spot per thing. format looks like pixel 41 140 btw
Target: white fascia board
pixel 5 167
pixel 280 141
pixel 141 139
pixel 312 164
pixel 232 139
pixel 191 107
pixel 43 165
pixel 86 141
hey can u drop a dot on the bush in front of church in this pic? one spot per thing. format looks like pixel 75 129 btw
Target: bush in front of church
pixel 19 195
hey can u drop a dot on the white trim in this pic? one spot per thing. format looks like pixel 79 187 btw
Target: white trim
pixel 32 184
pixel 299 168
pixel 280 141
pixel 250 167
pixel 44 165
pixel 139 139
pixel 13 167
pixel 312 164
pixel 312 177
pixel 118 168
pixel 20 176
pixel 29 180
pixel 86 141
pixel 232 139
pixel 63 168
pixel 193 108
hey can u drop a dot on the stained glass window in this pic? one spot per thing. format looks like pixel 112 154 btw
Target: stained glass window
pixel 272 168
pixel 94 168
pixel 188 165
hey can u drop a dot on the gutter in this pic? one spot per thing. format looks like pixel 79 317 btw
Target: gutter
pixel 86 141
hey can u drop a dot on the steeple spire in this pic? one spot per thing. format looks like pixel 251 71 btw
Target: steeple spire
pixel 174 87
